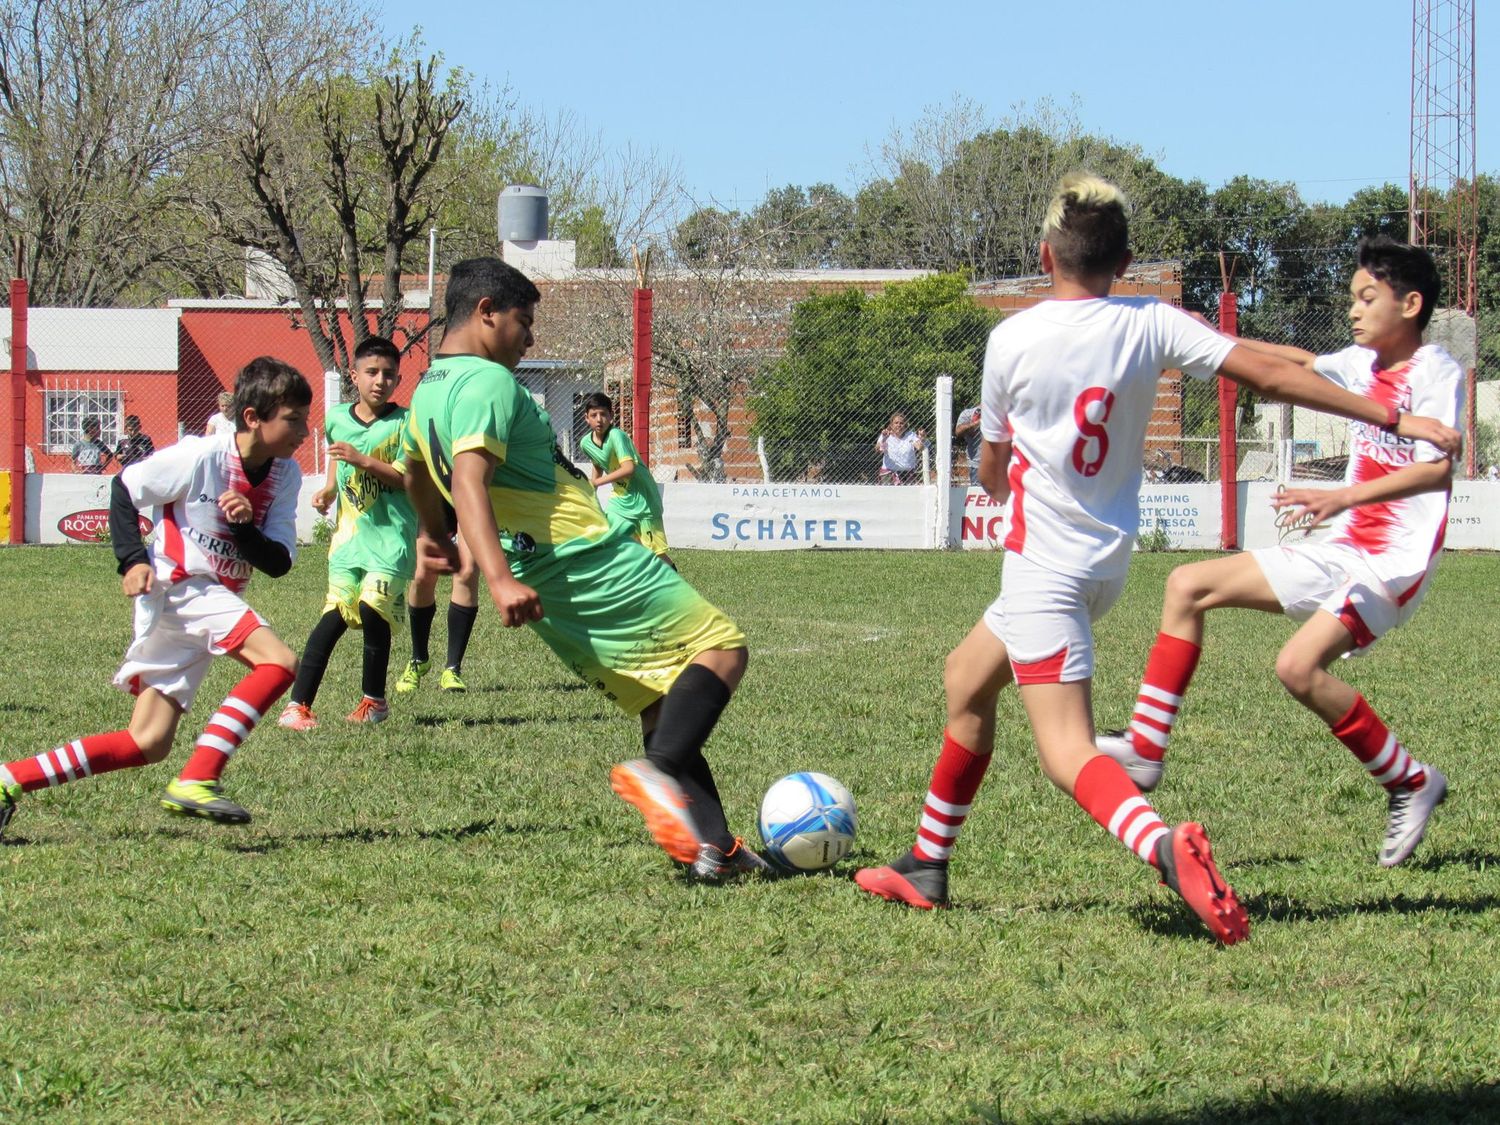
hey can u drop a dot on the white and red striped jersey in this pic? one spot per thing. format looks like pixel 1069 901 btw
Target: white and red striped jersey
pixel 1073 385
pixel 1400 538
pixel 183 483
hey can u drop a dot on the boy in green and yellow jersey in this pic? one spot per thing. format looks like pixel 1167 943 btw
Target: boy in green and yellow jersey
pixel 372 555
pixel 636 501
pixel 602 602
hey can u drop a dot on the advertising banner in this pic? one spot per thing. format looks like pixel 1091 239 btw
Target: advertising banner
pixel 788 517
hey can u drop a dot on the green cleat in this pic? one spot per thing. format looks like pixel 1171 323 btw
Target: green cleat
pixel 9 791
pixel 450 681
pixel 411 676
pixel 201 798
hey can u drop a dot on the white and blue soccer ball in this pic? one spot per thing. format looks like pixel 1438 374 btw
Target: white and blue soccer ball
pixel 807 821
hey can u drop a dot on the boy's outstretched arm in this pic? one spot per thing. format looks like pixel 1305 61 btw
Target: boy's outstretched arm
pixel 1314 505
pixel 518 603
pixel 1281 379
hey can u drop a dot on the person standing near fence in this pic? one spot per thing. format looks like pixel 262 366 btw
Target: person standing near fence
pixel 91 455
pixel 968 430
pixel 899 448
pixel 221 423
pixel 1069 389
pixel 134 446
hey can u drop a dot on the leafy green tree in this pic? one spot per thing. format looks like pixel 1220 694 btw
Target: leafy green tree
pixel 851 360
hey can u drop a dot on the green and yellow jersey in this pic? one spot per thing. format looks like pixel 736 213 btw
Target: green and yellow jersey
pixel 544 507
pixel 635 498
pixel 375 530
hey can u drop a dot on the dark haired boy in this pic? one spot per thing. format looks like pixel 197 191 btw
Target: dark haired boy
pixel 1069 387
pixel 226 506
pixel 1365 578
pixel 371 556
pixel 135 445
pixel 636 501
pixel 601 601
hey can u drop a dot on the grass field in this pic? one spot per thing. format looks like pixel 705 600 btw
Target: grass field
pixel 450 918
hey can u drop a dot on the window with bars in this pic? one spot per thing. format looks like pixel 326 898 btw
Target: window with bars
pixel 67 408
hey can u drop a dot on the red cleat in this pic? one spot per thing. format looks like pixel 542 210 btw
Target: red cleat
pixel 1186 862
pixel 925 888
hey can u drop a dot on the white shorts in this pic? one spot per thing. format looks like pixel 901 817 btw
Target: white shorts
pixel 179 629
pixel 1046 620
pixel 1337 579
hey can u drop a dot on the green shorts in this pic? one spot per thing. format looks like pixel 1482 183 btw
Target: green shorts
pixel 626 622
pixel 384 593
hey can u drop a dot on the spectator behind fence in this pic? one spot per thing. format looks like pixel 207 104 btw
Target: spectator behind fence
pixel 221 423
pixel 134 446
pixel 968 429
pixel 91 455
pixel 898 448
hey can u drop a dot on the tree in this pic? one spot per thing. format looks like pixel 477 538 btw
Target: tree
pixel 339 176
pixel 852 360
pixel 100 104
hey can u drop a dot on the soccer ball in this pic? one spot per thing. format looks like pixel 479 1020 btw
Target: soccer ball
pixel 807 821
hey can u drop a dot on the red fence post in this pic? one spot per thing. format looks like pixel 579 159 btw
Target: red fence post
pixel 640 400
pixel 1229 492
pixel 18 303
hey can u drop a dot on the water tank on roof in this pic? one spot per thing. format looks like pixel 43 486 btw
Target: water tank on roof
pixel 523 213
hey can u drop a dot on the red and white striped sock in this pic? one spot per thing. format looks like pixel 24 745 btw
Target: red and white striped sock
pixel 1377 749
pixel 1106 793
pixel 1169 669
pixel 232 723
pixel 84 757
pixel 955 780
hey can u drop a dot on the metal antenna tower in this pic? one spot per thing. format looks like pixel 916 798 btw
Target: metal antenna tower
pixel 1444 197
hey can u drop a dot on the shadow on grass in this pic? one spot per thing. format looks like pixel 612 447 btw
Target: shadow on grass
pixel 1428 1104
pixel 1162 918
pixel 502 720
pixel 1472 858
pixel 1263 861
pixel 513 689
pixel 20 709
pixel 378 835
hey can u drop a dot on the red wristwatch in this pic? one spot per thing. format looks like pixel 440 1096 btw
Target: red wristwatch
pixel 1392 419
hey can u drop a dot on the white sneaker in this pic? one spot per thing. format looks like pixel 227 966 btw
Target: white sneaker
pixel 1145 772
pixel 1410 810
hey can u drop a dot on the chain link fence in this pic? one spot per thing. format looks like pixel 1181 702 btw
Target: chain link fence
pixel 770 379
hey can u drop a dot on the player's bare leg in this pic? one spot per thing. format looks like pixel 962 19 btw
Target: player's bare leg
pixel 148 738
pixel 1414 789
pixel 1235 581
pixel 1061 717
pixel 196 791
pixel 973 677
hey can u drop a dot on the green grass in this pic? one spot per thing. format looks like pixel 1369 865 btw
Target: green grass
pixel 449 917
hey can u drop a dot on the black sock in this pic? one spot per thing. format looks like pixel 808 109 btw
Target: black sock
pixel 326 633
pixel 377 651
pixel 421 630
pixel 688 716
pixel 460 625
pixel 909 863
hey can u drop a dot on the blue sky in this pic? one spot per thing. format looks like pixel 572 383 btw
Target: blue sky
pixel 752 97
